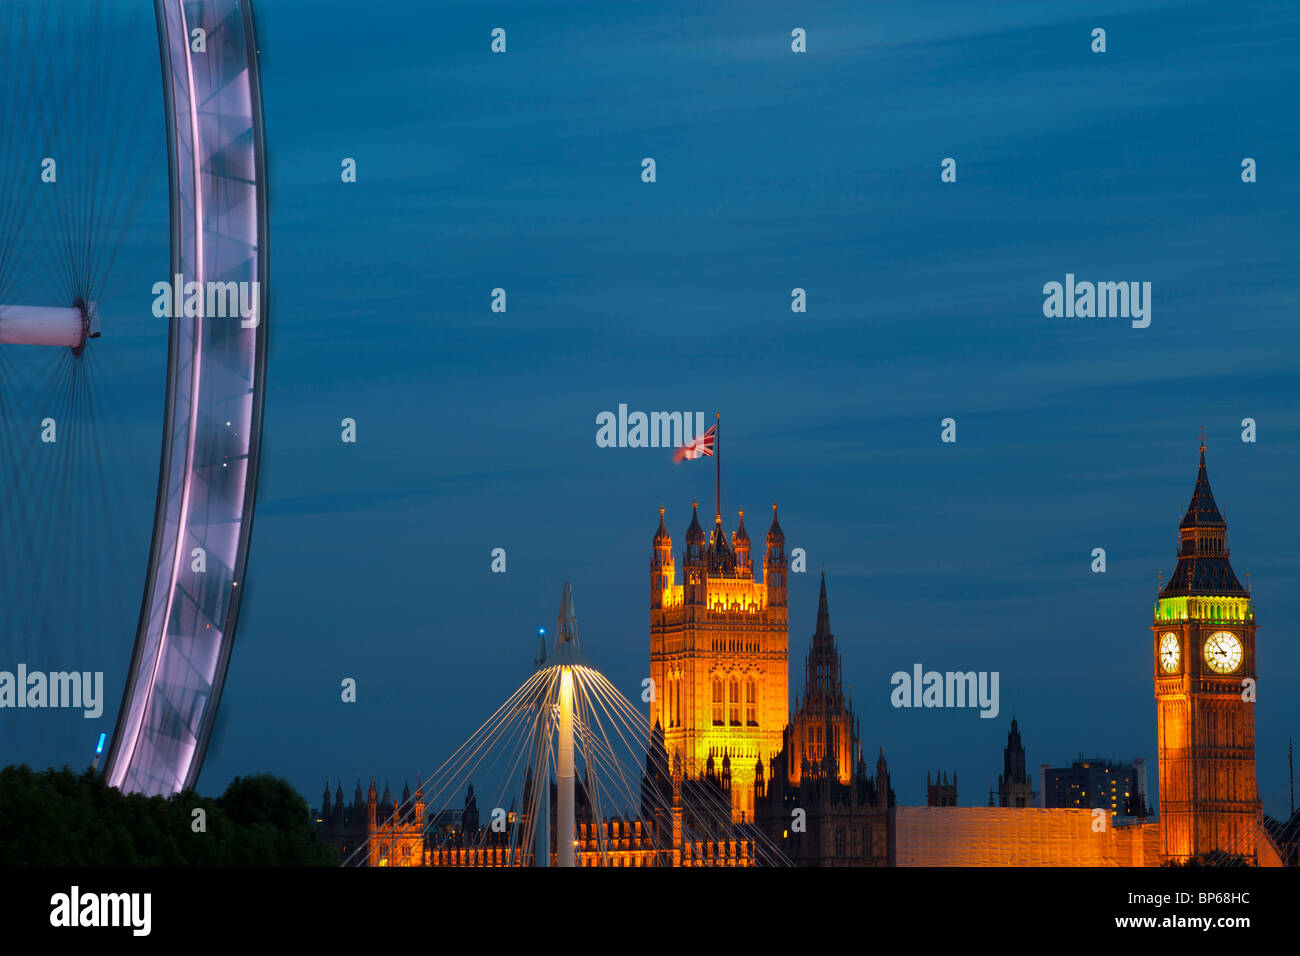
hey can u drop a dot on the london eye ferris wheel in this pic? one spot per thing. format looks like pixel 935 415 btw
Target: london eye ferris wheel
pixel 110 191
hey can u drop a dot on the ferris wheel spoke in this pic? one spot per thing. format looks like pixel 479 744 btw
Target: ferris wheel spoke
pixel 72 180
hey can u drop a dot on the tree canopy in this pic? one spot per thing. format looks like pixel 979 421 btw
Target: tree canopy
pixel 61 818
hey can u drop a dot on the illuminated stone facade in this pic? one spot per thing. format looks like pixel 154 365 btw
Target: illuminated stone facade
pixel 391 833
pixel 1017 836
pixel 1203 658
pixel 616 843
pixel 719 652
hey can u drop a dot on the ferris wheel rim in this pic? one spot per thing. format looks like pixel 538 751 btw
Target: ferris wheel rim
pixel 156 748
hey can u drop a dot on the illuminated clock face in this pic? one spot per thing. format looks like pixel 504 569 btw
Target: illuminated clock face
pixel 1169 652
pixel 1223 652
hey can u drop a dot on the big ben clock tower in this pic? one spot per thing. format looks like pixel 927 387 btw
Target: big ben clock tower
pixel 1204 660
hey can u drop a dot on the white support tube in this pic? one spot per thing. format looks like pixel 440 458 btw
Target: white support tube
pixel 542 826
pixel 42 325
pixel 564 823
pixel 542 789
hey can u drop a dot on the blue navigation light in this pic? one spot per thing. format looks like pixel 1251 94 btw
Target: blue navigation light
pixel 100 748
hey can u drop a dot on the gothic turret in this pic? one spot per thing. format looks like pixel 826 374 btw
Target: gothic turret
pixel 740 545
pixel 695 536
pixel 1013 758
pixel 663 541
pixel 694 562
pixel 662 572
pixel 823 727
pixel 1015 788
pixel 774 564
pixel 941 792
pixel 722 563
pixel 822 689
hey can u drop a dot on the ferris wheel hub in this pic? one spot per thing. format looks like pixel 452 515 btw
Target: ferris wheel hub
pixel 50 325
pixel 89 322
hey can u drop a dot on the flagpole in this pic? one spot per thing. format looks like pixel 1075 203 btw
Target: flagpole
pixel 717 460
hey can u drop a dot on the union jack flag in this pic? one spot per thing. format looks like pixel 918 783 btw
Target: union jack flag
pixel 697 447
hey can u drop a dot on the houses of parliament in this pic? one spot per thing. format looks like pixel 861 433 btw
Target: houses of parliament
pixel 719 656
pixel 719 652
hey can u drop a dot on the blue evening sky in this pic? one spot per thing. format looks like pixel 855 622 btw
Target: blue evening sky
pixel 775 170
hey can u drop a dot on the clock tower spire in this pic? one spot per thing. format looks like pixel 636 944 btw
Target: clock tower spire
pixel 1204 653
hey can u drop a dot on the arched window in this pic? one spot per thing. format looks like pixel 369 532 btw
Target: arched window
pixel 717 701
pixel 735 702
pixel 751 702
pixel 678 698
